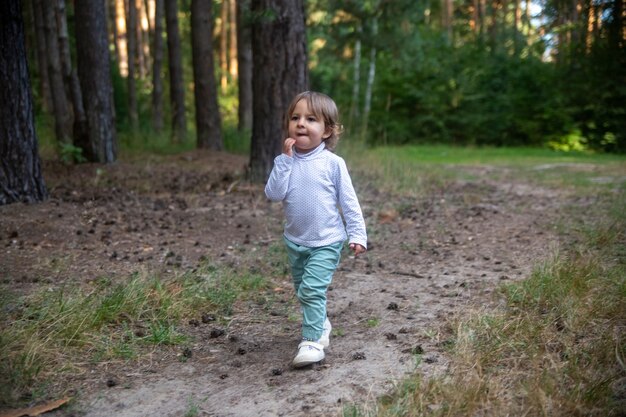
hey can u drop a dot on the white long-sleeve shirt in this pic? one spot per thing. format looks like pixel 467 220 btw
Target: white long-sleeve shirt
pixel 311 187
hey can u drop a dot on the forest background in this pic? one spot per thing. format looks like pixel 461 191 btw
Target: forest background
pixel 504 73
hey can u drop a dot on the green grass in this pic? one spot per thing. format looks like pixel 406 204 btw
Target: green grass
pixel 138 143
pixel 557 347
pixel 442 154
pixel 426 170
pixel 46 334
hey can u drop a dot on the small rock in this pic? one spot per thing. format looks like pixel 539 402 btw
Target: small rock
pixel 391 336
pixel 393 306
pixel 111 383
pixel 277 371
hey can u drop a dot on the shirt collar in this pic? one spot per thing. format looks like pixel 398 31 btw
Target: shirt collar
pixel 311 154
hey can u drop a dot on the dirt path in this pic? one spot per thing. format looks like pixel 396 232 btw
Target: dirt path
pixel 428 259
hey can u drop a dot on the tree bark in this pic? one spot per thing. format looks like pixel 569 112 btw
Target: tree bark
pixel 280 63
pixel 356 77
pixel 157 64
pixel 483 19
pixel 131 30
pixel 95 79
pixel 20 166
pixel 244 63
pixel 71 78
pixel 177 88
pixel 474 20
pixel 446 17
pixel 112 13
pixel 370 81
pixel 232 42
pixel 62 115
pixel 42 59
pixel 516 26
pixel 122 36
pixel 224 45
pixel 208 124
pixel 142 51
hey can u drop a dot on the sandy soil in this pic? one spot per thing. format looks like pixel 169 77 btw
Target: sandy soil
pixel 429 258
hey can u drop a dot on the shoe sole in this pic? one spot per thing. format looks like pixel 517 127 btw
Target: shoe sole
pixel 305 362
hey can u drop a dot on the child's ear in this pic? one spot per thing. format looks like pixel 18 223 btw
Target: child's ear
pixel 327 132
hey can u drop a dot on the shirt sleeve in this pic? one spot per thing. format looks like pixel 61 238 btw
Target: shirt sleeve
pixel 349 203
pixel 278 182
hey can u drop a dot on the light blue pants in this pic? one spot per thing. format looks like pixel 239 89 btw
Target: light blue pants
pixel 312 271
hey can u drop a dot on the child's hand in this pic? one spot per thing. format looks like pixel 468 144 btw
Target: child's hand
pixel 358 249
pixel 288 146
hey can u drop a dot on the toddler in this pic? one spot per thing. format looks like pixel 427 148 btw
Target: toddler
pixel 313 183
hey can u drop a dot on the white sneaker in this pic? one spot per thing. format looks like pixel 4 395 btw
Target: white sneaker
pixel 325 339
pixel 308 353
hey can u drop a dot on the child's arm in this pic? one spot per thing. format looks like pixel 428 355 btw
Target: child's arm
pixel 278 182
pixel 355 224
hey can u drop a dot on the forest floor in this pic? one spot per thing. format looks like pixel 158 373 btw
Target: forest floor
pixel 429 258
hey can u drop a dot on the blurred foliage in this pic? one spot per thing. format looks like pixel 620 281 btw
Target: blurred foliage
pixel 503 88
pixel 551 82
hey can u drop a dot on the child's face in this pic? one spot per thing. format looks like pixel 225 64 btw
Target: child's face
pixel 308 131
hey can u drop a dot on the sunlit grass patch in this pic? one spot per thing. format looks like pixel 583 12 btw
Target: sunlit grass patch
pixel 418 170
pixel 56 331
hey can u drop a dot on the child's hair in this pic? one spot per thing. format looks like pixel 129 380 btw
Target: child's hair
pixel 324 108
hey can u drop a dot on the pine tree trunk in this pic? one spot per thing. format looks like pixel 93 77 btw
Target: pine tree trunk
pixel 131 30
pixel 516 26
pixel 177 88
pixel 224 45
pixel 483 19
pixel 122 35
pixel 356 77
pixel 446 18
pixel 42 59
pixel 140 41
pixel 280 61
pixel 232 44
pixel 94 72
pixel 71 78
pixel 62 115
pixel 20 167
pixel 157 64
pixel 370 81
pixel 244 63
pixel 208 124
pixel 112 13
pixel 475 21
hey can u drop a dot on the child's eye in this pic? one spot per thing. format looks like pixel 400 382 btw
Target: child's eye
pixel 294 117
pixel 311 119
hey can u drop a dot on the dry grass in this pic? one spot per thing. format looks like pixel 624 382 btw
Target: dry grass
pixel 556 348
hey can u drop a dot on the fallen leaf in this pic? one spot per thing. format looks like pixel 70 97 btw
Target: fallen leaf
pixel 37 410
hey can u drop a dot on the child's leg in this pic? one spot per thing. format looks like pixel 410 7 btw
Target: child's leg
pixel 316 277
pixel 298 255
